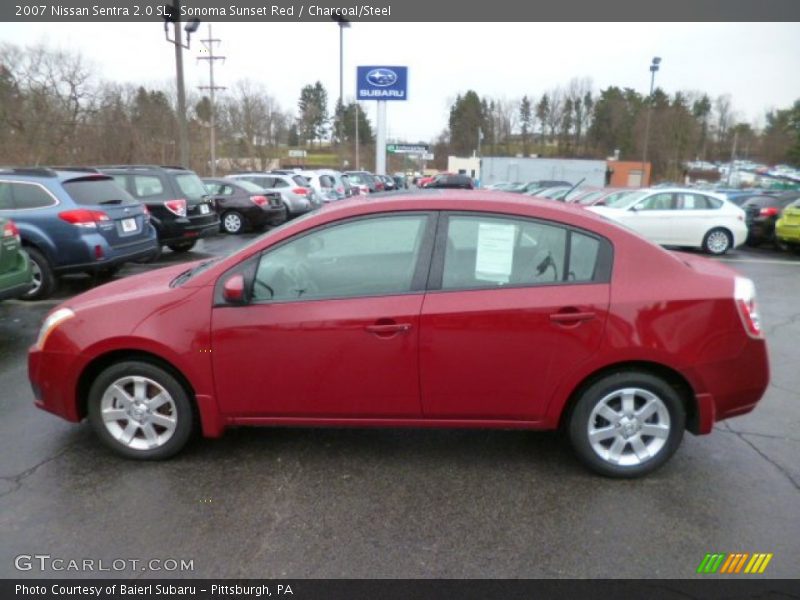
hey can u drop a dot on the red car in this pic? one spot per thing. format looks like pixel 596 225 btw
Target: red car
pixel 420 310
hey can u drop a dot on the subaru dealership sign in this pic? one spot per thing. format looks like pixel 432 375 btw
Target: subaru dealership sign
pixel 382 83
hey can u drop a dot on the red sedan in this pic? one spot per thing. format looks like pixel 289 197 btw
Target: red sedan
pixel 420 310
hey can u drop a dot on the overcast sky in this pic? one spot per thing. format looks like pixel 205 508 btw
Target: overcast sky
pixel 757 64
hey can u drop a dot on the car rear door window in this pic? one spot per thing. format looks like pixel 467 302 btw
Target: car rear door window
pixel 367 257
pixel 31 195
pixel 485 252
pixel 6 197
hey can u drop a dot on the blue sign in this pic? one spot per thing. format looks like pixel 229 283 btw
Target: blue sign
pixel 382 83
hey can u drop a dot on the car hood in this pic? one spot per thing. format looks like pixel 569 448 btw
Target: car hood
pixel 133 288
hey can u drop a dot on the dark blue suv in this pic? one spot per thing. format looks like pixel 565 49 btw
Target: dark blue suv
pixel 74 220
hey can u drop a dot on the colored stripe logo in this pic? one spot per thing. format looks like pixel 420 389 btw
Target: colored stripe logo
pixel 734 563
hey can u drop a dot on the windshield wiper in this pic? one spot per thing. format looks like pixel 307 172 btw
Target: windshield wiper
pixel 187 275
pixel 111 202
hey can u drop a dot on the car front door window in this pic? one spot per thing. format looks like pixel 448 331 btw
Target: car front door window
pixel 366 257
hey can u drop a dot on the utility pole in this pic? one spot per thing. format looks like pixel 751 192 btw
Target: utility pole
pixel 209 44
pixel 358 162
pixel 172 15
pixel 653 70
pixel 733 156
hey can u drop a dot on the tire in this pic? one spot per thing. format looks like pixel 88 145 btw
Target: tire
pixel 717 241
pixel 44 279
pixel 143 430
pixel 180 247
pixel 606 434
pixel 233 222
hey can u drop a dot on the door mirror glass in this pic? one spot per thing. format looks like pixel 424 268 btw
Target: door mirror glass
pixel 233 290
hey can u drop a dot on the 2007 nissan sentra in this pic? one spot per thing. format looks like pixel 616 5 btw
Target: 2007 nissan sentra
pixel 433 309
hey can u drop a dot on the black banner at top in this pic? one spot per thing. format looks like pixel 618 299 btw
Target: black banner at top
pixel 399 10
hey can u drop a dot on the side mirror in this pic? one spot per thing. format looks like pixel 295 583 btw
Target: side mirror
pixel 233 289
pixel 636 207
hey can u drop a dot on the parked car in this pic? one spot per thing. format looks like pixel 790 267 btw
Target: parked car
pixel 604 197
pixel 350 189
pixel 554 193
pixel 461 182
pixel 452 311
pixel 761 213
pixel 177 200
pixel 16 276
pixel 242 205
pixel 400 181
pixel 298 196
pixel 327 184
pixel 365 181
pixel 787 227
pixel 74 221
pixel 425 180
pixel 389 184
pixel 680 217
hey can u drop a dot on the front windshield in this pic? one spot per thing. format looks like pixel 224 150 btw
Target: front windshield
pixel 627 200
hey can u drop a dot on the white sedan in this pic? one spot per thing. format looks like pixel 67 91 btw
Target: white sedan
pixel 680 217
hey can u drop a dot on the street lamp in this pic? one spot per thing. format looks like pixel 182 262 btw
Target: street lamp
pixel 172 14
pixel 343 24
pixel 653 69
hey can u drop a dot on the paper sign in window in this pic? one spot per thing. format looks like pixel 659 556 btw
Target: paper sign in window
pixel 495 254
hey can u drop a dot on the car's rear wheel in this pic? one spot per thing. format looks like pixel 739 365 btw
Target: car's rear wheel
pixel 627 424
pixel 44 279
pixel 717 241
pixel 182 246
pixel 140 411
pixel 233 222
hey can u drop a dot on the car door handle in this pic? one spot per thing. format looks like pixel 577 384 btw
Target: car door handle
pixel 572 317
pixel 388 328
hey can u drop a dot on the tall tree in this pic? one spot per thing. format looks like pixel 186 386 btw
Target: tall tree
pixel 313 107
pixel 543 115
pixel 526 120
pixel 466 121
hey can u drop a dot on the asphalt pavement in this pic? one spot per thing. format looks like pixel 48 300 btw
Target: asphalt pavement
pixel 393 503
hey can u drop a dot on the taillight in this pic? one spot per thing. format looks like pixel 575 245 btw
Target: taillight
pixel 176 207
pixel 259 200
pixel 768 211
pixel 10 230
pixel 340 190
pixel 83 217
pixel 301 191
pixel 744 294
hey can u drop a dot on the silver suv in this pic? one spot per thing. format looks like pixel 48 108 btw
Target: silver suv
pixel 298 196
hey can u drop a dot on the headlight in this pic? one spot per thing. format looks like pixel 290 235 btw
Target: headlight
pixel 51 322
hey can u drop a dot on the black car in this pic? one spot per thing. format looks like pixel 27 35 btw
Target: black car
pixel 179 206
pixel 243 205
pixel 460 182
pixel 761 212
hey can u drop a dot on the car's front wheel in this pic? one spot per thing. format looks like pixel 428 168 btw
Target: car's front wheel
pixel 717 241
pixel 140 410
pixel 627 424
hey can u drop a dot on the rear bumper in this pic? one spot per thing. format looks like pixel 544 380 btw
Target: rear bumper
pixel 111 256
pixel 268 215
pixel 182 229
pixel 731 387
pixel 787 233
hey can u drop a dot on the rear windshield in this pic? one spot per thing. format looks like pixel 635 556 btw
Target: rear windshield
pixel 300 180
pixel 93 192
pixel 191 185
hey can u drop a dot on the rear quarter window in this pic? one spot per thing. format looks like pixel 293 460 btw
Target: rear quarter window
pixel 191 185
pixel 92 192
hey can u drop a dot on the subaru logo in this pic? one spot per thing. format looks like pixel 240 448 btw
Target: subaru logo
pixel 382 77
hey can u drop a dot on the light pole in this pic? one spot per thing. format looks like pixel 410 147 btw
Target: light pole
pixel 343 24
pixel 172 14
pixel 209 44
pixel 653 69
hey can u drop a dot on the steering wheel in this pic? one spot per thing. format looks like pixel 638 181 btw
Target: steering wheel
pixel 300 276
